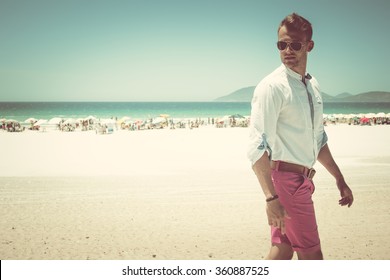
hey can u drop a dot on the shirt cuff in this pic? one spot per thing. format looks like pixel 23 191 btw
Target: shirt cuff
pixel 324 139
pixel 255 156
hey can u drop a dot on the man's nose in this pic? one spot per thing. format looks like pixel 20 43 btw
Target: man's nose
pixel 289 49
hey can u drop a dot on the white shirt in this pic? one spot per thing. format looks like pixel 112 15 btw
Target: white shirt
pixel 287 119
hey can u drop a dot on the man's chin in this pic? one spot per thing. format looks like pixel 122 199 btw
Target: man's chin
pixel 290 63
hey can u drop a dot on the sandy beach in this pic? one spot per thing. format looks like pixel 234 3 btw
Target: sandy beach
pixel 176 194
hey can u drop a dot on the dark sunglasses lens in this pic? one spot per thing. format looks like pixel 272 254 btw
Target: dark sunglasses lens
pixel 296 46
pixel 282 45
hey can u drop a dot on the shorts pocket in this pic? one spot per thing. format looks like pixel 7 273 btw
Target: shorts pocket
pixel 290 183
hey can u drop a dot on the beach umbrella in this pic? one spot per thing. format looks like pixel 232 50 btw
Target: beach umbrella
pixel 237 116
pixel 70 121
pixel 55 120
pixel 361 115
pixel 11 121
pixel 90 118
pixel 158 120
pixel 164 115
pixel 226 118
pixel 338 116
pixel 40 122
pixel 351 116
pixel 124 119
pixel 107 121
pixel 381 115
pixel 31 120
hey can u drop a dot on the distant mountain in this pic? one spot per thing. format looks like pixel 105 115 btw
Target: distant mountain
pixel 245 95
pixel 327 97
pixel 242 95
pixel 342 95
pixel 372 96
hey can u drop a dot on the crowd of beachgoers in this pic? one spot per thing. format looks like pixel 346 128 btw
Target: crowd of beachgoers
pixel 358 119
pixel 109 125
pixel 103 126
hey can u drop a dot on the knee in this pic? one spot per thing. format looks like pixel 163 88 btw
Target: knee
pixel 280 252
pixel 317 255
pixel 286 255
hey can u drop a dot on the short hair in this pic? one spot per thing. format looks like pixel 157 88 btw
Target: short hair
pixel 297 24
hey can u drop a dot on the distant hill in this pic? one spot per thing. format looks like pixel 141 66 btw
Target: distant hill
pixel 372 96
pixel 245 95
pixel 342 95
pixel 242 95
pixel 327 97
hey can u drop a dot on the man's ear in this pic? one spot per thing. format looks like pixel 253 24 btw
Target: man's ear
pixel 310 46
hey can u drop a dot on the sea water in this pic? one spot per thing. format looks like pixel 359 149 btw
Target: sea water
pixel 21 111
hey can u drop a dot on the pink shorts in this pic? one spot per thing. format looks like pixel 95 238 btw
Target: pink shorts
pixel 295 191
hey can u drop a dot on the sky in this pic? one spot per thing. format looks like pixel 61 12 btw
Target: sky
pixel 181 50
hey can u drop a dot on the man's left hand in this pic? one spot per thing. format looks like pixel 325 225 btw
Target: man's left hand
pixel 345 193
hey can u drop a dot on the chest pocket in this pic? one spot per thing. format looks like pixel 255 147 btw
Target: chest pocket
pixel 317 99
pixel 317 105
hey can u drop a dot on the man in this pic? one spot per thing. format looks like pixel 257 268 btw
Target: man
pixel 286 138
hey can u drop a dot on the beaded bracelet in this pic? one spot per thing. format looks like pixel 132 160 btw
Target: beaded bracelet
pixel 272 198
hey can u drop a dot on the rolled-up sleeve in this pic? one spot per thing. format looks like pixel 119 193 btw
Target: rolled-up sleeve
pixel 266 105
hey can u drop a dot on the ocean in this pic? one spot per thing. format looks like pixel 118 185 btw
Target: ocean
pixel 21 111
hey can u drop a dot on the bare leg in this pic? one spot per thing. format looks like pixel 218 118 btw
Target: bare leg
pixel 280 252
pixel 317 255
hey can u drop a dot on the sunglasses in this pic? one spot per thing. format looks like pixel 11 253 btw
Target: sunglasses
pixel 295 46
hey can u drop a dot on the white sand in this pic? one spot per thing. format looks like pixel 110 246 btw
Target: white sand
pixel 175 194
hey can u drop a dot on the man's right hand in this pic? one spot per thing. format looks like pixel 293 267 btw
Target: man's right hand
pixel 276 215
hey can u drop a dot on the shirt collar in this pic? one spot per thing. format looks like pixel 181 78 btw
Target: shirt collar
pixel 295 74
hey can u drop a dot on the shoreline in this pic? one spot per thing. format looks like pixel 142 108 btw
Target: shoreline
pixel 20 111
pixel 164 121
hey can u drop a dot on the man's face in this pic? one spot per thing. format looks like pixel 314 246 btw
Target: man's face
pixel 294 59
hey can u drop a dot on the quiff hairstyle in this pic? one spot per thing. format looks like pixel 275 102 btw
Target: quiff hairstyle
pixel 297 24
